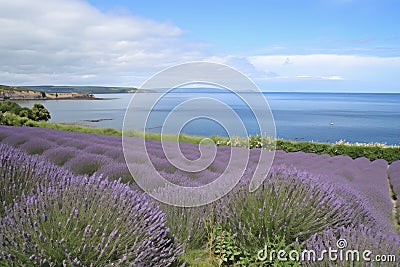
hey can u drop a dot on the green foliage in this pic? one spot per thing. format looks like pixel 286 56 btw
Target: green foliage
pixel 227 248
pixel 186 222
pixel 40 113
pixel 111 131
pixel 13 88
pixel 11 113
pixel 25 112
pixel 255 141
pixel 9 106
pixel 197 258
pixel 76 128
pixel 276 244
pixel 371 152
pixel 12 119
pixel 224 246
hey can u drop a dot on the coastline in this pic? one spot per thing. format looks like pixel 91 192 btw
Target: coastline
pixel 65 98
pixel 22 94
pixel 60 96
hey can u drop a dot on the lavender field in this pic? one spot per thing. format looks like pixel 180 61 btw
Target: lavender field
pixel 69 198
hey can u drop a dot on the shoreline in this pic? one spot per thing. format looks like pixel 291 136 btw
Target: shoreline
pixel 66 98
pixel 57 98
pixel 14 94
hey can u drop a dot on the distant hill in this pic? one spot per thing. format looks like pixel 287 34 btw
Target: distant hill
pixel 23 93
pixel 15 92
pixel 84 89
pixel 13 88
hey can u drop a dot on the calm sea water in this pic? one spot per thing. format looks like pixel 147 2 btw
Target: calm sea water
pixel 298 116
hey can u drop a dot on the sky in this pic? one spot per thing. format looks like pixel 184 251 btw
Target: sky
pixel 310 45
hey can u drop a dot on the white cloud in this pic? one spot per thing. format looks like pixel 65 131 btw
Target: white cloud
pixel 71 42
pixel 304 77
pixel 333 78
pixel 328 66
pixel 329 72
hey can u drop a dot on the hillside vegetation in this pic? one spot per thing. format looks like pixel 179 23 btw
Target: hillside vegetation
pixel 14 92
pixel 86 89
pixel 22 93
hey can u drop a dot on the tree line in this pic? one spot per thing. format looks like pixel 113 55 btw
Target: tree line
pixel 11 113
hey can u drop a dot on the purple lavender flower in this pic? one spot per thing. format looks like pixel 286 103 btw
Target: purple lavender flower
pixel 305 194
pixel 360 238
pixel 84 220
pixel 86 163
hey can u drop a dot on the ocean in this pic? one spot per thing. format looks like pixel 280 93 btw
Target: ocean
pixel 319 117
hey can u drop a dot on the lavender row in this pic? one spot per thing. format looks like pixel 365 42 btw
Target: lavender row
pixel 59 219
pixel 359 239
pixel 368 180
pixel 362 183
pixel 291 205
pixel 90 153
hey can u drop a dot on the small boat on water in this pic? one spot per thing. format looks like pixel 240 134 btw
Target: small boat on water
pixel 331 123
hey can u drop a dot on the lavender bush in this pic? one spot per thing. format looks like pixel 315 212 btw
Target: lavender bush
pixel 289 204
pixel 115 153
pixel 60 154
pixel 33 146
pixel 188 225
pixel 359 238
pixel 20 174
pixel 16 139
pixel 368 180
pixel 117 171
pixel 77 143
pixel 4 135
pixel 79 221
pixel 86 163
pixel 100 149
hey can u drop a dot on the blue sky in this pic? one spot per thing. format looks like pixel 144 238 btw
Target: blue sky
pixel 319 45
pixel 298 26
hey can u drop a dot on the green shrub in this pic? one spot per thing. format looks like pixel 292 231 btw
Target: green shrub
pixel 12 114
pixel 25 112
pixel 370 151
pixel 9 106
pixel 40 113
